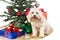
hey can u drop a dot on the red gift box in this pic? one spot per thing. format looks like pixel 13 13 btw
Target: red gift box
pixel 44 13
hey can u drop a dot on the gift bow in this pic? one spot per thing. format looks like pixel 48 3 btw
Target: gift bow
pixel 11 28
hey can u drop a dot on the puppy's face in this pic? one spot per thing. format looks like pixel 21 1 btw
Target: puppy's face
pixel 34 14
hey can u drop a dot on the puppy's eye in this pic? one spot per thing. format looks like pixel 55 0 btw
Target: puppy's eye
pixel 32 12
pixel 36 12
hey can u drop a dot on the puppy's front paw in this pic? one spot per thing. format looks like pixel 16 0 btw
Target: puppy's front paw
pixel 41 36
pixel 46 33
pixel 33 36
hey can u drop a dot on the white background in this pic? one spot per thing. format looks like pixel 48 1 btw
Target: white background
pixel 53 9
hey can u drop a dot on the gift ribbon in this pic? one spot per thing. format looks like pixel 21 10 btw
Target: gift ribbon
pixel 5 35
pixel 18 33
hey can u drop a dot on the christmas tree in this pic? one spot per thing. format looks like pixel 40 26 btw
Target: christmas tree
pixel 17 11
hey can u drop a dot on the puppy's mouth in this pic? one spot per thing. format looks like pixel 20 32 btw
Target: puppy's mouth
pixel 34 18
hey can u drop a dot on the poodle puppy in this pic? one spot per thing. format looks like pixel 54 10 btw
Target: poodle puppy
pixel 38 23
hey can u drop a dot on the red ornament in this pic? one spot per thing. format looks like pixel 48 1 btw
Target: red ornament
pixel 18 13
pixel 9 10
pixel 15 29
pixel 27 11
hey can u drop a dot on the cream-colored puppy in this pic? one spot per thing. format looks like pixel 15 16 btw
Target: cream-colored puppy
pixel 38 23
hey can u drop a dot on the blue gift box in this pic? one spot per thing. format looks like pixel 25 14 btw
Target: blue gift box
pixel 11 35
pixel 2 32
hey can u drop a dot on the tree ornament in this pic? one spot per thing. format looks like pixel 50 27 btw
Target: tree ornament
pixel 23 5
pixel 18 13
pixel 17 5
pixel 16 10
pixel 27 11
pixel 9 10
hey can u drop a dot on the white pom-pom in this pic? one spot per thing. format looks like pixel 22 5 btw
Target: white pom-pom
pixel 25 10
pixel 33 3
pixel 23 5
pixel 25 21
pixel 17 5
pixel 16 10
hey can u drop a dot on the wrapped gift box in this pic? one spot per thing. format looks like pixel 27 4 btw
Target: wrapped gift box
pixel 11 35
pixel 2 32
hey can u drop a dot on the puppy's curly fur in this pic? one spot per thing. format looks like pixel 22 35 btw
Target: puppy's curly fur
pixel 38 23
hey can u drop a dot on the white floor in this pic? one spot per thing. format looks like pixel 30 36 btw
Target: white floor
pixel 19 38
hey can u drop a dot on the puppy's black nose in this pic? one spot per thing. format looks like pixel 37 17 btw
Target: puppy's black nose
pixel 34 15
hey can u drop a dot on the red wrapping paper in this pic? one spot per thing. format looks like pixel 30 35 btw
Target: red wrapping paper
pixel 44 13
